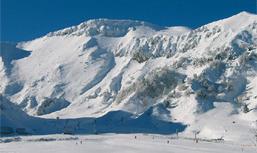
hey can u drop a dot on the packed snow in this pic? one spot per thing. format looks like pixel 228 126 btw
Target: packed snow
pixel 133 143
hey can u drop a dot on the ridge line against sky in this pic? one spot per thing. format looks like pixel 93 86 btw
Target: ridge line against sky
pixel 23 20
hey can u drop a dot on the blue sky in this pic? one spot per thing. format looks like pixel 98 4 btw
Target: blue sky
pixel 27 19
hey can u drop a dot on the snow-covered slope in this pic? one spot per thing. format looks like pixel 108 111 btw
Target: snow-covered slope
pixel 197 77
pixel 117 143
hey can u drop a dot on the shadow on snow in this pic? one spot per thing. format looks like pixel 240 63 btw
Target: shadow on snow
pixel 112 122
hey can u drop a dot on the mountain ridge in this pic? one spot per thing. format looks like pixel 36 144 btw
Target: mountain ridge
pixel 104 65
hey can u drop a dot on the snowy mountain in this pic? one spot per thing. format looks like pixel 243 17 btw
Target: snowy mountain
pixel 198 80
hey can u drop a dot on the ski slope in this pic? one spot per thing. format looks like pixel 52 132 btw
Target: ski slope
pixel 124 76
pixel 120 143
